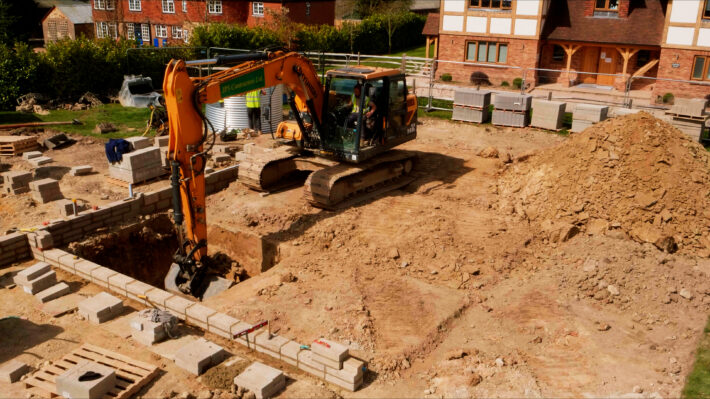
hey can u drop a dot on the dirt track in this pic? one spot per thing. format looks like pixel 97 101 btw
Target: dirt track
pixel 446 295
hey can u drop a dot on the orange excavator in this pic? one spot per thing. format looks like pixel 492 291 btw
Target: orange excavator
pixel 343 136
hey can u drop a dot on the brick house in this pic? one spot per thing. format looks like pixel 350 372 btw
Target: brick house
pixel 580 42
pixel 68 19
pixel 166 22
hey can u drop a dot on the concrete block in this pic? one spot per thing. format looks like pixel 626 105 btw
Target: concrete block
pixel 351 372
pixel 31 273
pixel 69 385
pixel 472 97
pixel 138 143
pixel 157 297
pixel 198 356
pixel 100 308
pixel 307 364
pixel 333 364
pixel 17 178
pixel 161 141
pixel 694 107
pixel 40 161
pixel 590 112
pixel 148 332
pixel 81 170
pixel 68 262
pixel 178 306
pixel 53 292
pixel 221 158
pixel 12 370
pixel 41 283
pixel 512 102
pixel 31 154
pixel 467 114
pixel 350 386
pixel 198 315
pixel 45 190
pixel 261 379
pixel 579 125
pixel 273 343
pixel 221 324
pixel 136 289
pixel 84 269
pixel 510 118
pixel 66 207
pixel 330 349
pixel 289 352
pixel 100 276
pixel 118 282
pixel 548 114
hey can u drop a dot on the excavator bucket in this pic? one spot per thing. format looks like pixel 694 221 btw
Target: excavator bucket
pixel 210 286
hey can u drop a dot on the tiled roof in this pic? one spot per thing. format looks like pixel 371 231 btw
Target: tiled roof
pixel 431 27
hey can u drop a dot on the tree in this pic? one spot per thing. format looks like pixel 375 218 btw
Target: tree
pixel 281 24
pixel 391 11
pixel 18 19
pixel 365 8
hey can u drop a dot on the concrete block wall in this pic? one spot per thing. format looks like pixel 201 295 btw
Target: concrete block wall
pixel 347 374
pixel 14 248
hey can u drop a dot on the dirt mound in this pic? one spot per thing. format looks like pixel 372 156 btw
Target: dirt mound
pixel 634 175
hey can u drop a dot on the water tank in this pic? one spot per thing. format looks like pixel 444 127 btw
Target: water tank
pixel 272 108
pixel 215 114
pixel 235 109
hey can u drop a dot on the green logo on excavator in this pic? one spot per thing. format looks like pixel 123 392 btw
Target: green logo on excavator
pixel 248 82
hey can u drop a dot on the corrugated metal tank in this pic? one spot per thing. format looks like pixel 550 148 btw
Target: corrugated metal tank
pixel 215 114
pixel 236 113
pixel 232 113
pixel 272 109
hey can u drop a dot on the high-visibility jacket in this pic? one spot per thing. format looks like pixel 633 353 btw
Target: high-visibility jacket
pixel 356 103
pixel 254 99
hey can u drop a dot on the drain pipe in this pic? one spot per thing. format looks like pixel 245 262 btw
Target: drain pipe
pixel 130 190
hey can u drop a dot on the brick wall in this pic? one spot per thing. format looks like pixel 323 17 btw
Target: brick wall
pixel 589 6
pixel 521 53
pixel 684 60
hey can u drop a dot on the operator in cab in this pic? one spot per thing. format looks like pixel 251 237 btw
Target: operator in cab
pixel 355 104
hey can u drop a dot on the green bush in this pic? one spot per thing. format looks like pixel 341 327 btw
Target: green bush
pixel 22 71
pixel 668 98
pixel 517 83
pixel 446 77
pixel 505 83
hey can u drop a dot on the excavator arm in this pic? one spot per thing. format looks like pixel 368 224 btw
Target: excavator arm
pixel 190 142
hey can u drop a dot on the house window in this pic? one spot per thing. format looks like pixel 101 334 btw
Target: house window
pixel 145 32
pixel 63 30
pixel 558 53
pixel 214 6
pixel 706 10
pixel 184 5
pixel 700 68
pixel 177 32
pixel 99 5
pixel 501 4
pixel 110 4
pixel 487 52
pixel 186 35
pixel 257 8
pixel 130 30
pixel 607 5
pixel 52 30
pixel 168 6
pixel 161 31
pixel 112 30
pixel 106 29
pixel 134 5
pixel 308 8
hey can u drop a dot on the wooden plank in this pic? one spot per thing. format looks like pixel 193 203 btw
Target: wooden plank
pixel 146 366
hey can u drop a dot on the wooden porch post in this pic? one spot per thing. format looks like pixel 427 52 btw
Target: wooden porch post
pixel 626 53
pixel 570 49
pixel 428 41
pixel 436 46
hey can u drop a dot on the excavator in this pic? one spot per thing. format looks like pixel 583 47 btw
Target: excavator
pixel 343 140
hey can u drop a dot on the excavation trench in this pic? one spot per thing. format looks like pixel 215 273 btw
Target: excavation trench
pixel 144 250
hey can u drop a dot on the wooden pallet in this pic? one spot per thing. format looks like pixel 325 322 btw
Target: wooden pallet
pixel 131 374
pixel 125 184
pixel 688 117
pixel 16 145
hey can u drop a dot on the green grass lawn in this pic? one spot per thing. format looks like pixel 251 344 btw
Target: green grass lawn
pixel 415 52
pixel 698 383
pixel 126 120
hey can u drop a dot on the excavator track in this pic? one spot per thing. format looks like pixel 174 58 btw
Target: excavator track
pixel 264 170
pixel 334 186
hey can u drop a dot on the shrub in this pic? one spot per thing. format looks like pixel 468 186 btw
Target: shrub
pixel 517 83
pixel 505 83
pixel 23 71
pixel 480 78
pixel 668 98
pixel 446 77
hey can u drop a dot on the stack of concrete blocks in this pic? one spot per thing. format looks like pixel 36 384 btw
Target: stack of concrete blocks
pixel 69 384
pixel 340 368
pixel 198 356
pixel 262 380
pixel 81 170
pixel 147 332
pixel 138 166
pixel 548 114
pixel 66 207
pixel 56 291
pixel 13 370
pixel 45 190
pixel 30 155
pixel 17 182
pixel 39 161
pixel 100 308
pixel 36 278
pixel 138 143
pixel 585 115
pixel 512 109
pixel 688 116
pixel 162 143
pixel 14 248
pixel 471 105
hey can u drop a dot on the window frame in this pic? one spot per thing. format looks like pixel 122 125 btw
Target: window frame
pixel 478 4
pixel 552 56
pixel 308 8
pixel 704 76
pixel 130 31
pixel 175 28
pixel 184 5
pixel 52 29
pixel 706 10
pixel 161 28
pixel 606 6
pixel 111 4
pixel 99 4
pixel 253 8
pixel 488 43
pixel 132 5
pixel 170 4
pixel 213 5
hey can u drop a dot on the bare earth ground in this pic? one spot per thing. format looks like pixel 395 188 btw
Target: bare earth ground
pixel 441 292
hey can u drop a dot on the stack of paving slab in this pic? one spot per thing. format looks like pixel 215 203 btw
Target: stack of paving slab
pixel 511 109
pixel 100 308
pixel 471 105
pixel 585 115
pixel 72 384
pixel 548 114
pixel 138 166
pixel 262 380
pixel 162 143
pixel 45 190
pixel 146 331
pixel 16 182
pixel 688 116
pixel 41 281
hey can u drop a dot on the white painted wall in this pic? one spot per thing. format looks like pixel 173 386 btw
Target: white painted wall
pixel 454 5
pixel 526 27
pixel 452 23
pixel 476 24
pixel 500 26
pixel 678 35
pixel 685 10
pixel 704 38
pixel 527 7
